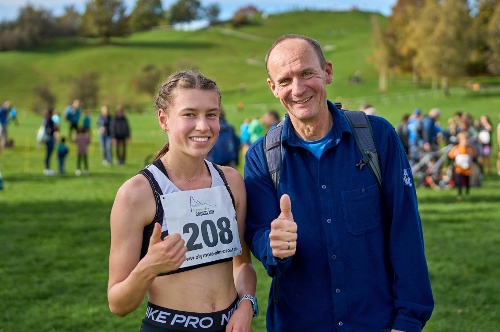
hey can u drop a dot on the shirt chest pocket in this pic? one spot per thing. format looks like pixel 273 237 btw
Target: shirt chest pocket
pixel 362 210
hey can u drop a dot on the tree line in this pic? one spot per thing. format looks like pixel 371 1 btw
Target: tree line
pixel 104 19
pixel 439 40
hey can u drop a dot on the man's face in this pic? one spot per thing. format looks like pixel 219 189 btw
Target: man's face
pixel 297 79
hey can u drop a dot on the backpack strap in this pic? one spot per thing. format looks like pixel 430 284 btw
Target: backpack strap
pixel 274 152
pixel 363 134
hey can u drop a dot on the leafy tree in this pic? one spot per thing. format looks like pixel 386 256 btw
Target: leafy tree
pixel 104 19
pixel 68 23
pixel 86 89
pixel 31 29
pixel 185 11
pixel 146 15
pixel 493 41
pixel 212 13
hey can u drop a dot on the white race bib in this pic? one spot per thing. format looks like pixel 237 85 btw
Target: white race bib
pixel 206 220
pixel 463 161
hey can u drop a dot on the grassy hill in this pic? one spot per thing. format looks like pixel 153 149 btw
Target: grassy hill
pixel 232 58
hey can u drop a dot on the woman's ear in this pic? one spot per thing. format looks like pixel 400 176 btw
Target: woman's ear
pixel 162 119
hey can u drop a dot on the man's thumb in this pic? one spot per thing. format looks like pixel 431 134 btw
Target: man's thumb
pixel 286 207
pixel 156 236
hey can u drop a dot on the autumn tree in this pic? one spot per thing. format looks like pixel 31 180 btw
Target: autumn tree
pixel 146 15
pixel 452 38
pixel 493 42
pixel 245 15
pixel 484 10
pixel 399 29
pixel 212 13
pixel 381 53
pixel 104 19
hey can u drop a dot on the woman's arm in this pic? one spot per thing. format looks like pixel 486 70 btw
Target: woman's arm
pixel 130 277
pixel 245 278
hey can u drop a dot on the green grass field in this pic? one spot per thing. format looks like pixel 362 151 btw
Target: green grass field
pixel 54 231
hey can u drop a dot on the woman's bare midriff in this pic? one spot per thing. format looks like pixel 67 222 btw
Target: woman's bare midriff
pixel 207 289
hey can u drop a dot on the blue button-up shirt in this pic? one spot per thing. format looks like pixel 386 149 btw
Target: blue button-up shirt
pixel 360 263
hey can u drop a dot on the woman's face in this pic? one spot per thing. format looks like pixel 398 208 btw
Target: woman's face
pixel 192 122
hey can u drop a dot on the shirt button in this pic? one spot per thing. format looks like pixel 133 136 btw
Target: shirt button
pixel 328 220
pixel 340 323
pixel 323 186
pixel 337 291
pixel 363 191
pixel 334 256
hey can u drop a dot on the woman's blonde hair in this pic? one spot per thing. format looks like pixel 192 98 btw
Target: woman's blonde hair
pixel 188 79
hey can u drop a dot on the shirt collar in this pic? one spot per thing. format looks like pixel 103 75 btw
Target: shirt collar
pixel 340 126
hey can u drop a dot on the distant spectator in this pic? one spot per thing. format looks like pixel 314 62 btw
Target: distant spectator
pixel 463 155
pixel 485 129
pixel 51 132
pixel 120 132
pixel 72 115
pixel 256 129
pixel 62 152
pixel 4 115
pixel 56 118
pixel 402 130
pixel 82 141
pixel 429 130
pixel 13 116
pixel 103 126
pixel 414 135
pixel 498 144
pixel 86 121
pixel 368 109
pixel 271 119
pixel 226 150
pixel 245 136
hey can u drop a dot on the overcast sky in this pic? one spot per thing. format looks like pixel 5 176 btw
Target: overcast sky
pixel 9 8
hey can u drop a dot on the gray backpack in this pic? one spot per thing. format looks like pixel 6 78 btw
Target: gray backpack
pixel 361 129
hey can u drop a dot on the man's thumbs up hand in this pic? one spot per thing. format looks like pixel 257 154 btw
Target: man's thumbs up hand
pixel 283 235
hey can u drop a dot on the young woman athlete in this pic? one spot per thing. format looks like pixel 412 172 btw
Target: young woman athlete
pixel 177 226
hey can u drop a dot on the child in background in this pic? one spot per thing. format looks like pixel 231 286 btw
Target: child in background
pixel 463 155
pixel 62 151
pixel 82 141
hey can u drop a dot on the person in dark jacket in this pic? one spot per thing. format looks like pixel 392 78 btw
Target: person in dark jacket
pixel 103 125
pixel 120 132
pixel 344 254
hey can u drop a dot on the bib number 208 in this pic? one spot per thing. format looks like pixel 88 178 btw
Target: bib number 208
pixel 210 233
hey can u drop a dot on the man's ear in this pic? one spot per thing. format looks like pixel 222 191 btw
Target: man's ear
pixel 272 86
pixel 329 72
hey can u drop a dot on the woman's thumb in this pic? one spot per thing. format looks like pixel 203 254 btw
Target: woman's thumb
pixel 156 236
